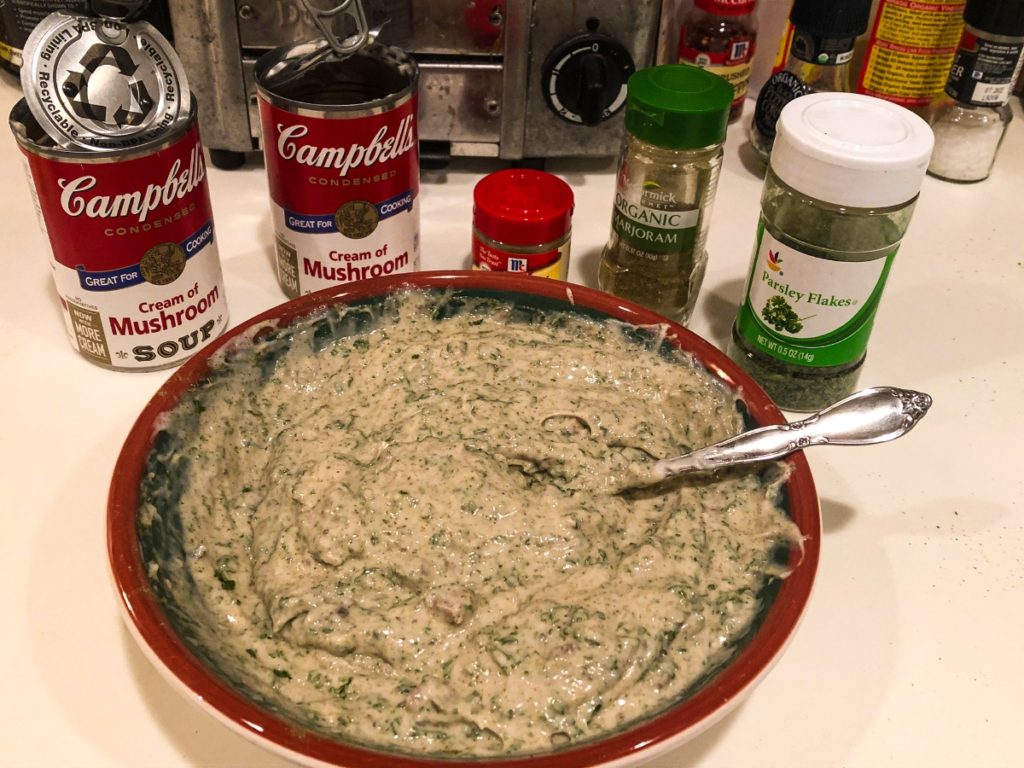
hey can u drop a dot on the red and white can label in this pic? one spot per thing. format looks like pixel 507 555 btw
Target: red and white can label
pixel 344 195
pixel 133 253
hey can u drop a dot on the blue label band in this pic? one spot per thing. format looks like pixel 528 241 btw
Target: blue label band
pixel 326 224
pixel 395 205
pixel 125 277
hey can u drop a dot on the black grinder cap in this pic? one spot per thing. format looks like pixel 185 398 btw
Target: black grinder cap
pixel 997 17
pixel 831 19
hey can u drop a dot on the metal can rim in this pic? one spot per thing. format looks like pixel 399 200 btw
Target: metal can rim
pixel 316 109
pixel 21 114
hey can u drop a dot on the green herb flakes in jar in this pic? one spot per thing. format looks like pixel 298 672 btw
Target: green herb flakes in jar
pixel 844 175
pixel 676 119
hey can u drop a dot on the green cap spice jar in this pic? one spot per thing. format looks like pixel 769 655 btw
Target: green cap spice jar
pixel 676 118
pixel 844 175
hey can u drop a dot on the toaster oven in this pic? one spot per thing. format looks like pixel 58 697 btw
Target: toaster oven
pixel 512 79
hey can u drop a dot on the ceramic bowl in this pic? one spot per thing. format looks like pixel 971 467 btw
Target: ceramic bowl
pixel 160 620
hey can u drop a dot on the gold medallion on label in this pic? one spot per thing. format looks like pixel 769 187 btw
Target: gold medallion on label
pixel 357 219
pixel 163 264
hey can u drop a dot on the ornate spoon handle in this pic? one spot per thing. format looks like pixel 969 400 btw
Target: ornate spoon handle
pixel 869 416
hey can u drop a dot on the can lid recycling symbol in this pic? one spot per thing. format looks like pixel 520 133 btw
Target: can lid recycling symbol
pixel 100 83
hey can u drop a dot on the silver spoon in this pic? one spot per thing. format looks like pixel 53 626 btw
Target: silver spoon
pixel 870 416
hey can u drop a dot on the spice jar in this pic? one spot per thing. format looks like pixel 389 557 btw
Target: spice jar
pixel 676 118
pixel 522 222
pixel 970 122
pixel 819 59
pixel 719 36
pixel 838 195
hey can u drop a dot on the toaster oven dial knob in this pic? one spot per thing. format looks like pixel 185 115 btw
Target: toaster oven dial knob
pixel 584 78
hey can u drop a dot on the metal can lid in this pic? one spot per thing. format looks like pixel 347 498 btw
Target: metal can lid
pixel 103 83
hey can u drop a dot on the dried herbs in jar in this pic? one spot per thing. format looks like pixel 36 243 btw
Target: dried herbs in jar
pixel 838 196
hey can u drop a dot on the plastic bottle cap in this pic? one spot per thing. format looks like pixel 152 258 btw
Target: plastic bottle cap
pixel 831 20
pixel 519 206
pixel 852 150
pixel 726 7
pixel 1002 17
pixel 678 106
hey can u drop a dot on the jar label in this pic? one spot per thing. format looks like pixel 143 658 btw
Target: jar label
pixel 780 89
pixel 809 310
pixel 984 71
pixel 823 51
pixel 910 49
pixel 553 263
pixel 738 50
pixel 734 64
pixel 654 229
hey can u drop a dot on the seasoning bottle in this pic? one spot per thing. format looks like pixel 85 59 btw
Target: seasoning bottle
pixel 819 60
pixel 676 119
pixel 970 123
pixel 720 36
pixel 522 222
pixel 909 51
pixel 838 196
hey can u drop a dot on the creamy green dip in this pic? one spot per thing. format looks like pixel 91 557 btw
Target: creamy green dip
pixel 412 536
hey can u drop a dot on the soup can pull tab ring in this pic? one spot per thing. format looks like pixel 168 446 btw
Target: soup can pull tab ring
pixel 119 10
pixel 332 22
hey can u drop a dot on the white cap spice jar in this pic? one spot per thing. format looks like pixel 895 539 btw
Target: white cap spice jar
pixel 841 185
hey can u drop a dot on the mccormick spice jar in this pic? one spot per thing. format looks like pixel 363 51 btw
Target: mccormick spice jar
pixel 676 119
pixel 838 195
pixel 720 35
pixel 116 169
pixel 522 222
pixel 342 155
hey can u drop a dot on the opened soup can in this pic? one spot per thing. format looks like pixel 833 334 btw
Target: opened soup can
pixel 342 156
pixel 133 252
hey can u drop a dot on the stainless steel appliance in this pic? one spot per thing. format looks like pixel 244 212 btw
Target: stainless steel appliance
pixel 514 79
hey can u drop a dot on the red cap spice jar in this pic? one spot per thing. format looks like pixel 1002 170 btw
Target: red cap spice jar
pixel 522 222
pixel 719 35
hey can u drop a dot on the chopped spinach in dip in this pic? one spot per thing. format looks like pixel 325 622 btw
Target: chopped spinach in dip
pixel 413 535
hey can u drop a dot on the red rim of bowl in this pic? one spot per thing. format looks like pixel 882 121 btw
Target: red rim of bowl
pixel 155 631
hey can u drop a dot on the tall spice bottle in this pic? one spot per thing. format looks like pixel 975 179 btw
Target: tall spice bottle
pixel 720 36
pixel 909 51
pixel 676 119
pixel 970 122
pixel 819 59
pixel 838 196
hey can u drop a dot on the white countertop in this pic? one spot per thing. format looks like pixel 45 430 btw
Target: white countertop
pixel 909 655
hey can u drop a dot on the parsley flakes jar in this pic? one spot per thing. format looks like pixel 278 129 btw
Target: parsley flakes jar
pixel 838 196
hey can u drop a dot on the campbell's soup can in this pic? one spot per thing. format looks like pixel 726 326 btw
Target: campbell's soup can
pixel 133 251
pixel 342 157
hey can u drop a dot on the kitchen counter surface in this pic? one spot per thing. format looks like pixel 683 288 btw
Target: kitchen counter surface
pixel 909 654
